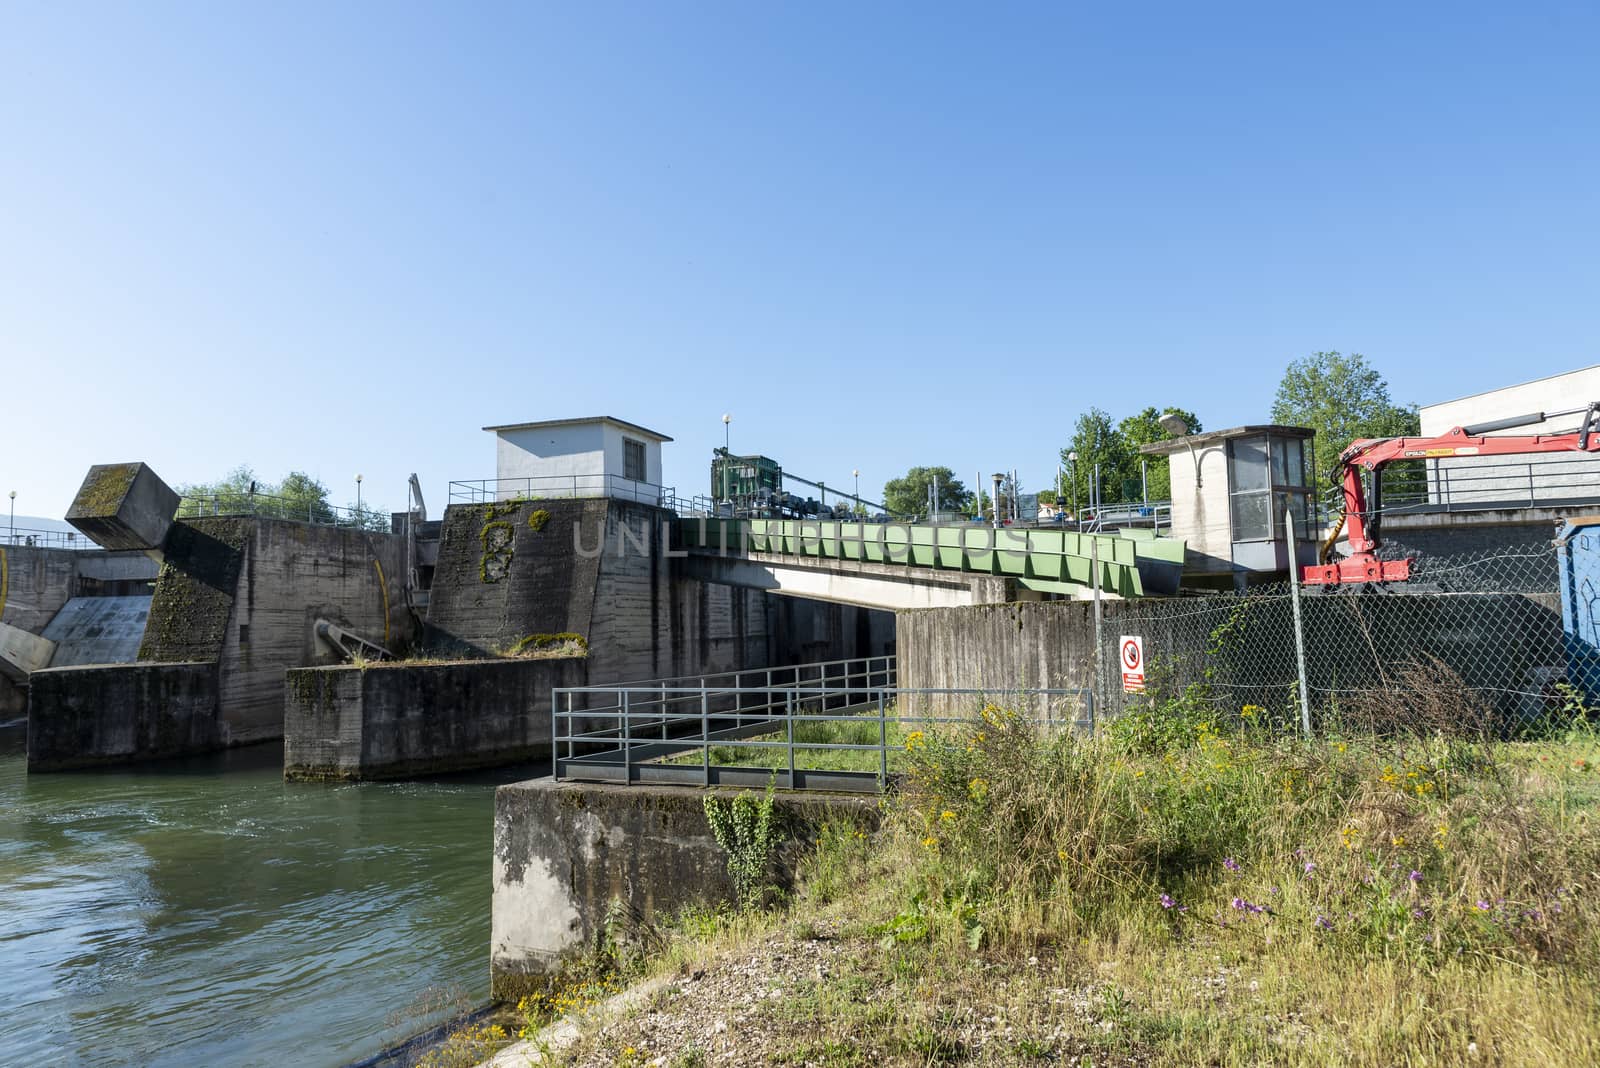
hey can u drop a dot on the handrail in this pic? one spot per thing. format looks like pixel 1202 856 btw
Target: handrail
pixel 627 739
pixel 295 509
pixel 25 537
pixel 557 487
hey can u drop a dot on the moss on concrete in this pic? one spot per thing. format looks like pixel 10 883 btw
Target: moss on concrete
pixel 195 590
pixel 104 490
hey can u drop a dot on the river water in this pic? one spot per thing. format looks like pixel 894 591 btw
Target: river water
pixel 205 912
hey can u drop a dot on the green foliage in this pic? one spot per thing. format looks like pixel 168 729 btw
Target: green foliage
pixel 1115 447
pixel 908 495
pixel 1342 398
pixel 745 830
pixel 499 546
pixel 534 644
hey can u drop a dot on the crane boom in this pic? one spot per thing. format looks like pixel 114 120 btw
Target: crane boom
pixel 1363 510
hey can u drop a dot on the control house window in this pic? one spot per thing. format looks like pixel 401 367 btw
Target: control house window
pixel 1267 477
pixel 633 459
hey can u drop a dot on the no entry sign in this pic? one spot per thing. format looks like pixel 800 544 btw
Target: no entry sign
pixel 1130 650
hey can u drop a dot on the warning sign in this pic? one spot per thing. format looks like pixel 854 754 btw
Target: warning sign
pixel 1131 652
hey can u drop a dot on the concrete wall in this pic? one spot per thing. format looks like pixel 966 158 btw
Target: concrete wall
pixel 547 452
pixel 1497 642
pixel 240 595
pixel 35 583
pixel 1200 513
pixel 386 721
pixel 292 574
pixel 564 851
pixel 82 716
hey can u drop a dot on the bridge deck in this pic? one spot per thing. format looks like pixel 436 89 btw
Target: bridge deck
pixel 1131 563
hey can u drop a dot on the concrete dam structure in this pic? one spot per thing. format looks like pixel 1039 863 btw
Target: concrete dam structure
pixel 231 646
pixel 532 594
pixel 233 606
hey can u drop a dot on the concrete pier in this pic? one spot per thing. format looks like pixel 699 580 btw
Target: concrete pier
pixel 564 851
pixel 395 720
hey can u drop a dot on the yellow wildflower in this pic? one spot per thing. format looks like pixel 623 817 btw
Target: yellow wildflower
pixel 947 815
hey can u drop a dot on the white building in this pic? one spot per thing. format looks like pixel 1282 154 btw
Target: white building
pixel 1546 478
pixel 595 457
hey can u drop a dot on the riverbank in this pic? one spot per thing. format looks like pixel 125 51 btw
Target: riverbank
pixel 1192 889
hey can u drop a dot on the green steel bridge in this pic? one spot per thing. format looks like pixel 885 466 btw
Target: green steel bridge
pixel 790 555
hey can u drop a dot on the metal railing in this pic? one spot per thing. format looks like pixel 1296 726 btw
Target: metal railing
pixel 300 510
pixel 548 487
pixel 47 539
pixel 1421 487
pixel 641 734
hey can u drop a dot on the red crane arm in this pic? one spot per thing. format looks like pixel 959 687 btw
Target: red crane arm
pixel 1361 516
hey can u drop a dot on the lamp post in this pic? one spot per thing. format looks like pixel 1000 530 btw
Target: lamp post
pixel 998 478
pixel 1175 425
pixel 358 495
pixel 13 536
pixel 1072 474
pixel 727 432
pixel 856 474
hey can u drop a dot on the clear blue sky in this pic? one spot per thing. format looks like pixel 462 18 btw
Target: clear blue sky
pixel 343 237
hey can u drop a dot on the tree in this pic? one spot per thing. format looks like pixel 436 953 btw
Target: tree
pixel 1145 429
pixel 908 495
pixel 1342 398
pixel 240 492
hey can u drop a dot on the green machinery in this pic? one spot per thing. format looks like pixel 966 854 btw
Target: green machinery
pixel 747 482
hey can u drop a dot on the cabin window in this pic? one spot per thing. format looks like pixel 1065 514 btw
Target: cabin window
pixel 633 459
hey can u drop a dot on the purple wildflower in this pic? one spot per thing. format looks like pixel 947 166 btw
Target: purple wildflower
pixel 1230 863
pixel 1166 901
pixel 1310 867
pixel 1418 914
pixel 1484 906
pixel 1415 876
pixel 1325 924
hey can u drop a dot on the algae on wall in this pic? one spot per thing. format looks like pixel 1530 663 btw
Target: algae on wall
pixel 195 591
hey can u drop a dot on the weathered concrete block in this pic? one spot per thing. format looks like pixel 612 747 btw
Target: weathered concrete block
pixel 124 506
pixel 390 721
pixel 22 653
pixel 82 716
pixel 564 851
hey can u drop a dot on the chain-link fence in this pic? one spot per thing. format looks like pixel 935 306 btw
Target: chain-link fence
pixel 1499 639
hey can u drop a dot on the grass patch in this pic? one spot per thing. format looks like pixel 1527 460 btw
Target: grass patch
pixel 1192 886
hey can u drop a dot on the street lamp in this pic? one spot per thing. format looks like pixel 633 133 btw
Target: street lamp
pixel 727 433
pixel 358 494
pixel 995 500
pixel 1178 427
pixel 13 536
pixel 1072 473
pixel 856 473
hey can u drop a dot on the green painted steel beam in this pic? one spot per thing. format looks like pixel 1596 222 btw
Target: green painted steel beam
pixel 1057 561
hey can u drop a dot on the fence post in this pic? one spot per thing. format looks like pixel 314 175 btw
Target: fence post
pixel 789 718
pixel 1094 577
pixel 627 743
pixel 883 745
pixel 1299 632
pixel 555 744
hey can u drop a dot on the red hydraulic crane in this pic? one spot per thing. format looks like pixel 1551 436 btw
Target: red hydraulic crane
pixel 1363 508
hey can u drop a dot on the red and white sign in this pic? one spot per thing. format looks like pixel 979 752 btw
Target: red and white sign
pixel 1131 652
